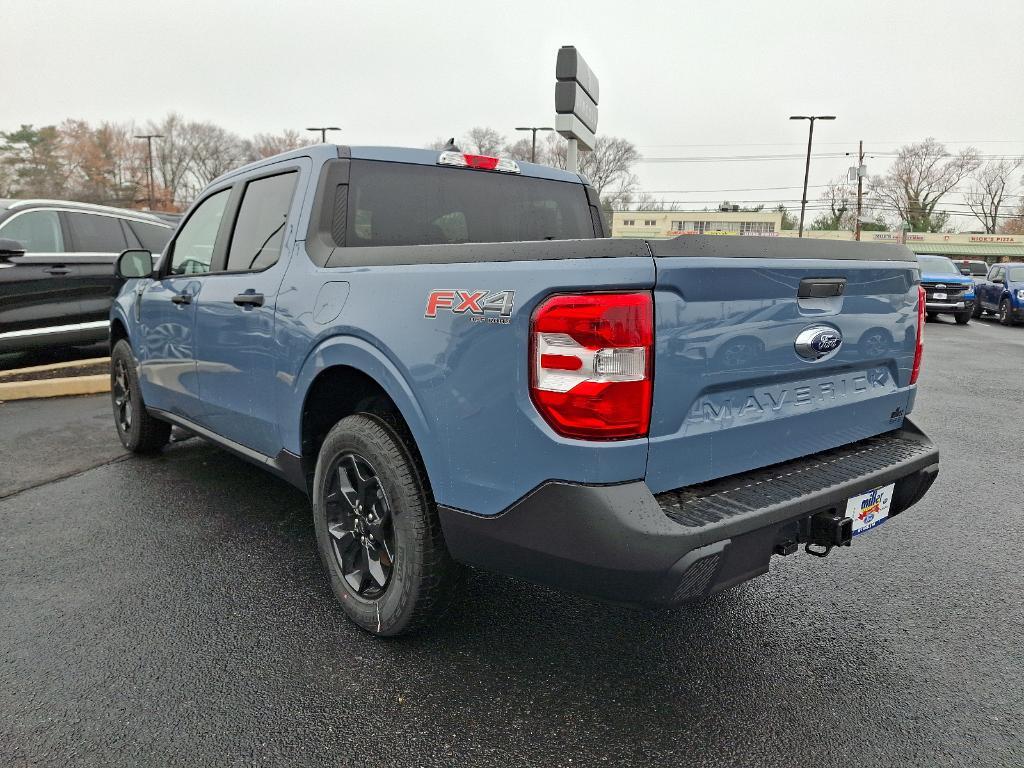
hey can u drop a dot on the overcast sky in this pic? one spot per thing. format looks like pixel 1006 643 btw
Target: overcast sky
pixel 681 79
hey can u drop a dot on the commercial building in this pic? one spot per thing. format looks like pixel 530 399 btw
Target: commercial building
pixel 664 224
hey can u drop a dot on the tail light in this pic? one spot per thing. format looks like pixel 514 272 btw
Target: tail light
pixel 916 370
pixel 590 364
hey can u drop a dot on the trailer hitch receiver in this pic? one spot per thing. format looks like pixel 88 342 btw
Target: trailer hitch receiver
pixel 828 530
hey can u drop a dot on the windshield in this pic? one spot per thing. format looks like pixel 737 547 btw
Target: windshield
pixel 1015 274
pixel 937 265
pixel 404 204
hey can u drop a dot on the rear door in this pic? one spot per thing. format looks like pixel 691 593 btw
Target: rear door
pixel 36 290
pixel 738 384
pixel 235 350
pixel 96 241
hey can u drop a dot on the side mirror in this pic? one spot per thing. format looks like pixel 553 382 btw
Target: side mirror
pixel 134 263
pixel 10 249
pixel 998 280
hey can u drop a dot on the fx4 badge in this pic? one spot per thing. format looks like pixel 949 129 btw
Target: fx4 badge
pixel 481 306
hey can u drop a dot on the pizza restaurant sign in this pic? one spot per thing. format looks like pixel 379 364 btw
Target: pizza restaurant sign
pixel 938 237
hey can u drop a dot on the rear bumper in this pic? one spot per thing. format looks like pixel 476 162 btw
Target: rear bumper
pixel 623 543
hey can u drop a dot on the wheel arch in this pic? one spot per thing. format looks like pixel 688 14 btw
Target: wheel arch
pixel 346 375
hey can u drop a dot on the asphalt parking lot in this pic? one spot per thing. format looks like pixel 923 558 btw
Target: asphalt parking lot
pixel 172 611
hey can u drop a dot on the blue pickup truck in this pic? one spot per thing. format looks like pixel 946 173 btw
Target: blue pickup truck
pixel 1002 292
pixel 452 358
pixel 947 290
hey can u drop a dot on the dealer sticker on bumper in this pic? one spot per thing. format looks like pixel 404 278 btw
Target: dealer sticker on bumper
pixel 870 509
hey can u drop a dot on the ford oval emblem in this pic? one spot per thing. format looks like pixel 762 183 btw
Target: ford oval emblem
pixel 818 342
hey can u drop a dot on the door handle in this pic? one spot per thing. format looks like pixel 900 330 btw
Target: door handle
pixel 57 271
pixel 249 299
pixel 182 298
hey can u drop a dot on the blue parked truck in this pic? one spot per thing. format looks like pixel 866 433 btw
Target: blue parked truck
pixel 1002 292
pixel 455 362
pixel 947 290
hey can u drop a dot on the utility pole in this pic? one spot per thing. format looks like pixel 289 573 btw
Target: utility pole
pixel 149 166
pixel 807 167
pixel 860 186
pixel 323 132
pixel 533 150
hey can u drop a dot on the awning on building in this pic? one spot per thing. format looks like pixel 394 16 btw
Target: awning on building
pixel 989 252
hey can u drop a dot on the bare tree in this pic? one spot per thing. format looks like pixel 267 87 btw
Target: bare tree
pixel 215 151
pixel 522 150
pixel 989 190
pixel 172 158
pixel 919 178
pixel 484 141
pixel 609 167
pixel 269 144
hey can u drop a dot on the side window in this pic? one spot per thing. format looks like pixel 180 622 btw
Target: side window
pixel 92 233
pixel 193 248
pixel 38 231
pixel 152 236
pixel 259 229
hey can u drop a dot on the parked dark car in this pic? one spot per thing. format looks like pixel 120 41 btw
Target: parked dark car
pixel 57 279
pixel 1002 293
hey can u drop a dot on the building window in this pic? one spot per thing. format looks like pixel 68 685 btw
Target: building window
pixel 757 227
pixel 628 222
pixel 650 222
pixel 676 226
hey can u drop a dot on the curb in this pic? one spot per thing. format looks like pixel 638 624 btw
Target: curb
pixel 71 385
pixel 54 366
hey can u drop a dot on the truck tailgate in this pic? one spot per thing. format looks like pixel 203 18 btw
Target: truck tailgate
pixel 734 391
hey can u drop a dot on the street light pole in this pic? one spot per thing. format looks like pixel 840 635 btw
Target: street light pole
pixel 533 130
pixel 807 167
pixel 323 132
pixel 149 166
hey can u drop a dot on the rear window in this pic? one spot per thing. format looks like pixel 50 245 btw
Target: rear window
pixel 94 233
pixel 405 204
pixel 978 268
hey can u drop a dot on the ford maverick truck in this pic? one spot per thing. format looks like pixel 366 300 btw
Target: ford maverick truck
pixel 452 358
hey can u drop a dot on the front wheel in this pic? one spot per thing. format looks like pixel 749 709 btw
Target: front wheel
pixel 932 316
pixel 139 432
pixel 963 318
pixel 977 309
pixel 377 529
pixel 1005 315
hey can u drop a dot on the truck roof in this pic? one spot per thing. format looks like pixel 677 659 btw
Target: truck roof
pixel 323 152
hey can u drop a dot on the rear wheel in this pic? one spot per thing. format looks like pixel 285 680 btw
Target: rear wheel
pixel 139 432
pixel 377 529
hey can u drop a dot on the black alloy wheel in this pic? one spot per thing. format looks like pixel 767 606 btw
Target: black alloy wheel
pixel 122 396
pixel 361 526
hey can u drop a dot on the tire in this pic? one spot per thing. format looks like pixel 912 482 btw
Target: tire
pixel 1005 315
pixel 977 309
pixel 931 316
pixel 138 430
pixel 377 529
pixel 963 318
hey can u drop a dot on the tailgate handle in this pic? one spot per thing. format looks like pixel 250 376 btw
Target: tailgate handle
pixel 821 287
